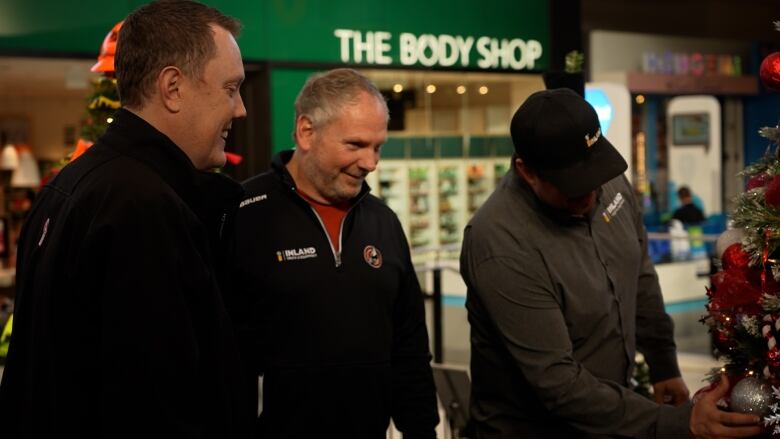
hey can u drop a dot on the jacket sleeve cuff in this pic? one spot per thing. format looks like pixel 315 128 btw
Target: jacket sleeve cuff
pixel 663 365
pixel 674 421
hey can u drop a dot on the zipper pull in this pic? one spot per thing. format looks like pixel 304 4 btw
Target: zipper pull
pixel 222 224
pixel 338 259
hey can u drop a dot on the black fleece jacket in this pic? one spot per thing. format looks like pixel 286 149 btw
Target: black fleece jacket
pixel 339 337
pixel 120 329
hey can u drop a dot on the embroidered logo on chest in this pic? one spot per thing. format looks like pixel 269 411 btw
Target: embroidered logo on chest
pixel 372 256
pixel 614 207
pixel 296 254
pixel 252 200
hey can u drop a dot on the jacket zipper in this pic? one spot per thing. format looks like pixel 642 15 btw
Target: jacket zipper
pixel 336 254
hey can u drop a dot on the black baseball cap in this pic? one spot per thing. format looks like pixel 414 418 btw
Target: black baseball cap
pixel 558 135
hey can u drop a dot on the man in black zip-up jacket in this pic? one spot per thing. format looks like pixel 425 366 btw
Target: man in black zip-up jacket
pixel 120 329
pixel 329 305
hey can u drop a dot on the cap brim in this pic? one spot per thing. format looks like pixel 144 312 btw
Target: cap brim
pixel 602 164
pixel 104 64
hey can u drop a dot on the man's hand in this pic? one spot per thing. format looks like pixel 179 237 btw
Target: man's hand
pixel 672 391
pixel 709 422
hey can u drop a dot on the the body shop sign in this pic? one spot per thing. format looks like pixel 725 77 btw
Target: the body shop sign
pixel 455 34
pixel 429 50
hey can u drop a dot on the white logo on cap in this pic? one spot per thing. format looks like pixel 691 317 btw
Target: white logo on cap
pixel 591 140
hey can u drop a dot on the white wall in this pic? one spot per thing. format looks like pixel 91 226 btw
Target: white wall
pixel 697 166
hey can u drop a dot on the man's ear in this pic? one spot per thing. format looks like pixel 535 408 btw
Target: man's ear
pixel 526 173
pixel 169 85
pixel 523 171
pixel 304 132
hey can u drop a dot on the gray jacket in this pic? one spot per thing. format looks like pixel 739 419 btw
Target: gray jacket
pixel 557 307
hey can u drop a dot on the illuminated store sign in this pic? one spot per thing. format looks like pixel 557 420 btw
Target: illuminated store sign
pixel 694 64
pixel 437 50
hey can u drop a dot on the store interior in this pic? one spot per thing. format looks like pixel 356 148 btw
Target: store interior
pixel 448 146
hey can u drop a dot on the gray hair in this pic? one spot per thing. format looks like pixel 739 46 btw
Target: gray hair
pixel 325 94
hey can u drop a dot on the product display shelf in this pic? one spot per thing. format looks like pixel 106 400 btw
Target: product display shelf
pixel 435 198
pixel 452 201
pixel 390 183
pixel 422 204
pixel 480 183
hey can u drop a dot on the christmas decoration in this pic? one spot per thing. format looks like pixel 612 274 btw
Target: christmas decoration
pixel 772 192
pixel 751 395
pixel 759 180
pixel 105 62
pixel 770 71
pixel 734 257
pixel 727 238
pixel 743 309
pixel 102 103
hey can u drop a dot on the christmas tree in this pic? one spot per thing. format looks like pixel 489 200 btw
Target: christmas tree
pixel 743 310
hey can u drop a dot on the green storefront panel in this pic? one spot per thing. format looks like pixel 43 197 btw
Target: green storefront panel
pixel 490 34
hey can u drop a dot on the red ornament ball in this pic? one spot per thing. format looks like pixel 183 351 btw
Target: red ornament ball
pixel 770 71
pixel 772 194
pixel 734 257
pixel 759 180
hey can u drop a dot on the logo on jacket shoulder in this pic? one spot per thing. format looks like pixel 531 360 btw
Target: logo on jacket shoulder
pixel 296 254
pixel 249 201
pixel 372 256
pixel 613 207
pixel 43 232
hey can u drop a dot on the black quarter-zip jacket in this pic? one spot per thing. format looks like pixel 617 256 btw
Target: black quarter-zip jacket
pixel 120 329
pixel 340 337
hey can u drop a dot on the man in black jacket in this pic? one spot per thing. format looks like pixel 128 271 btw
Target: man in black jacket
pixel 328 300
pixel 120 329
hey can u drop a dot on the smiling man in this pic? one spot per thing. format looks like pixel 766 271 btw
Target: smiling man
pixel 120 329
pixel 328 302
pixel 561 294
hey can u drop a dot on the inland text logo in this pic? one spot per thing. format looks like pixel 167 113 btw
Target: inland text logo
pixel 613 207
pixel 296 254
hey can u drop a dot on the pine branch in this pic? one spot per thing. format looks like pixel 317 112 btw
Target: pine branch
pixel 751 325
pixel 771 420
pixel 770 303
pixel 771 133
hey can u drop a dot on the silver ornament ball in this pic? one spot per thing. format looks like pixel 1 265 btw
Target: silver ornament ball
pixel 751 395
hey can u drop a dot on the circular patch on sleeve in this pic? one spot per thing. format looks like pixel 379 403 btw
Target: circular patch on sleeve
pixel 372 256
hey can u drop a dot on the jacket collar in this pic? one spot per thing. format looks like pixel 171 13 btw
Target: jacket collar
pixel 203 191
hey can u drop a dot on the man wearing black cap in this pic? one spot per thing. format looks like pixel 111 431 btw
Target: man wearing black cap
pixel 561 293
